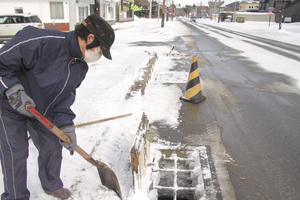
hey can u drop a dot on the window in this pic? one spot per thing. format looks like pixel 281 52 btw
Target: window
pixel 86 11
pixel 110 12
pixel 33 19
pixel 4 20
pixel 102 10
pixel 83 12
pixel 56 10
pixel 19 10
pixel 17 19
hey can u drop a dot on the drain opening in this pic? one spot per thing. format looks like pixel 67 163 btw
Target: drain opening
pixel 176 180
pixel 185 194
pixel 185 174
pixel 166 179
pixel 184 179
pixel 168 194
pixel 165 194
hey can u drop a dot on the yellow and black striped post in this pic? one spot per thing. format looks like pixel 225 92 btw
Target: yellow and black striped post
pixel 193 92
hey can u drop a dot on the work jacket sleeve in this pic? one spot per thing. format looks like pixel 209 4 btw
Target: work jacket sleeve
pixel 13 59
pixel 62 114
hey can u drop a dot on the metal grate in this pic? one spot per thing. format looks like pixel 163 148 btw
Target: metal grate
pixel 175 176
pixel 186 174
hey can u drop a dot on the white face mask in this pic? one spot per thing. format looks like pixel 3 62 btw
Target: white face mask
pixel 92 56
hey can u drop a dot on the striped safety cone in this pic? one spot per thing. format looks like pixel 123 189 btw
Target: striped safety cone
pixel 193 92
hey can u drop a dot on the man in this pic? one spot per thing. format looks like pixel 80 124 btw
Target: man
pixel 44 67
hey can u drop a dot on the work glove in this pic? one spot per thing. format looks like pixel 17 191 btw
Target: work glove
pixel 70 132
pixel 17 98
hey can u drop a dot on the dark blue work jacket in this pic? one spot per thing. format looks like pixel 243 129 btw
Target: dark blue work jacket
pixel 49 65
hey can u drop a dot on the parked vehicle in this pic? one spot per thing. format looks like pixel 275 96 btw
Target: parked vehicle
pixel 10 24
pixel 193 19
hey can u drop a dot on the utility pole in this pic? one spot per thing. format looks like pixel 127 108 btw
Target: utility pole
pixel 150 9
pixel 234 14
pixel 163 14
pixel 97 7
pixel 200 7
pixel 158 8
pixel 122 4
pixel 219 18
pixel 215 10
pixel 172 9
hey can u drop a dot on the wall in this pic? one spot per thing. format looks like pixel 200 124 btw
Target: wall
pixel 42 9
pixel 254 16
pixel 293 11
pixel 245 5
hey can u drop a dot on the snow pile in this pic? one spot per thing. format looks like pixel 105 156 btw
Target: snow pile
pixel 102 95
pixel 289 32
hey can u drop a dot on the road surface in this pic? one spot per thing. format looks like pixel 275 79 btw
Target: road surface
pixel 251 118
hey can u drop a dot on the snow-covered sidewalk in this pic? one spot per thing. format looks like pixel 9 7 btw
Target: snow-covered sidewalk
pixel 102 95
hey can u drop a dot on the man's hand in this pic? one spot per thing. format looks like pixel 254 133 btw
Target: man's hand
pixel 17 99
pixel 70 132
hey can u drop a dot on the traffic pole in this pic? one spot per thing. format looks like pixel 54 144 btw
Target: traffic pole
pixel 163 14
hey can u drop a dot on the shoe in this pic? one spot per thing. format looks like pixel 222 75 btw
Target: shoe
pixel 62 193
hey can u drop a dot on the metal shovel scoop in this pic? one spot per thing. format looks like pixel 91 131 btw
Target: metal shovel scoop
pixel 107 176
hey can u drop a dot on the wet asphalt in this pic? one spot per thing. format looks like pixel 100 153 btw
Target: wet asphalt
pixel 250 120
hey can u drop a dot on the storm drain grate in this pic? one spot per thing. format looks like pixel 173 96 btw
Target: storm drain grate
pixel 175 176
pixel 186 174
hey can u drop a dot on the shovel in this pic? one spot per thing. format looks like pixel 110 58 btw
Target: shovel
pixel 107 176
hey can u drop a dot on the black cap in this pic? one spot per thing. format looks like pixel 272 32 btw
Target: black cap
pixel 102 31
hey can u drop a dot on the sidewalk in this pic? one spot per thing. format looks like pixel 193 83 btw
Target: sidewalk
pixel 103 94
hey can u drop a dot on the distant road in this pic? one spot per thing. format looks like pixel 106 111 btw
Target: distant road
pixel 282 48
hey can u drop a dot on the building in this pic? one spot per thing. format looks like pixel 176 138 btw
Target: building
pixel 232 6
pixel 290 13
pixel 57 14
pixel 125 12
pixel 248 6
pixel 179 12
pixel 107 10
pixel 292 10
pixel 203 11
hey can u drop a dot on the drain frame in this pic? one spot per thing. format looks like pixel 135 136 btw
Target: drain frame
pixel 189 188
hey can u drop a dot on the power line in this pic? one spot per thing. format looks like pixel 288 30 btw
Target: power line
pixel 183 3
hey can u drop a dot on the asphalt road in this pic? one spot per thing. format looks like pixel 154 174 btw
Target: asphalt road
pixel 250 118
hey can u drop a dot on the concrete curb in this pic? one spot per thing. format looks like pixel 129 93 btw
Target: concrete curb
pixel 143 80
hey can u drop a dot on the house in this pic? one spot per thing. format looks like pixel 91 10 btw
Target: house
pixel 232 6
pixel 291 12
pixel 248 6
pixel 246 11
pixel 107 11
pixel 58 14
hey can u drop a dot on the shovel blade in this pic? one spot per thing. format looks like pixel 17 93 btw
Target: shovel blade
pixel 109 179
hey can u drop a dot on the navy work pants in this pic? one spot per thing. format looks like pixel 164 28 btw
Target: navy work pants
pixel 14 152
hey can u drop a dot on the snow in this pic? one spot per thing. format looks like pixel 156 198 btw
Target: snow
pixel 102 95
pixel 289 32
pixel 278 63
